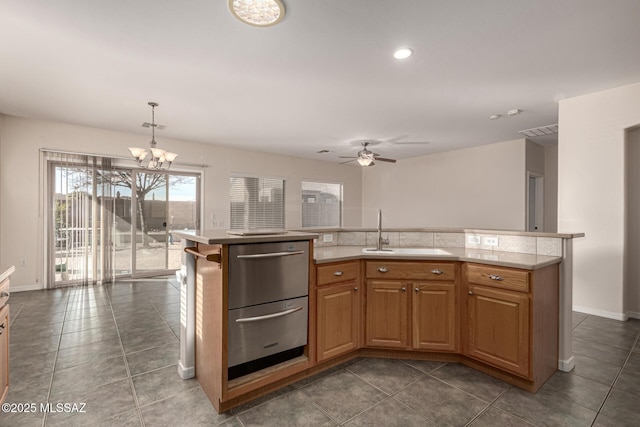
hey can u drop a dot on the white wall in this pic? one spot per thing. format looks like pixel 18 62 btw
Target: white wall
pixel 479 187
pixel 551 188
pixel 631 293
pixel 591 193
pixel 20 222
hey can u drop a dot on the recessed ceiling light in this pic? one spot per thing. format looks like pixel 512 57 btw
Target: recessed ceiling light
pixel 495 116
pixel 260 13
pixel 402 53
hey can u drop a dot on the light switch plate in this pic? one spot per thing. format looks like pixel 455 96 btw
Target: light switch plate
pixel 489 240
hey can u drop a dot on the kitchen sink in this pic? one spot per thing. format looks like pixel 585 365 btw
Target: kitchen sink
pixel 406 251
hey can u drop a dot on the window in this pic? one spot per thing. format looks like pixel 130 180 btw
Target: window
pixel 321 204
pixel 257 202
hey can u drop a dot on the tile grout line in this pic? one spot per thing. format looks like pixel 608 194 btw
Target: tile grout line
pixel 55 362
pixel 615 380
pixel 126 362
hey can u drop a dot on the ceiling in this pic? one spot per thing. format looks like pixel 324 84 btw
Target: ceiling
pixel 324 78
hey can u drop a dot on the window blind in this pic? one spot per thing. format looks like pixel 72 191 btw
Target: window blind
pixel 257 202
pixel 321 204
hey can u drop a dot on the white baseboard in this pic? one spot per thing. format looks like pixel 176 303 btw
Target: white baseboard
pixel 186 373
pixel 567 365
pixel 633 314
pixel 602 313
pixel 24 288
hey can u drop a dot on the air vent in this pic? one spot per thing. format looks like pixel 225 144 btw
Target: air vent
pixel 541 131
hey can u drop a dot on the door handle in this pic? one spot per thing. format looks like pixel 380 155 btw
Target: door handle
pixel 268 316
pixel 269 255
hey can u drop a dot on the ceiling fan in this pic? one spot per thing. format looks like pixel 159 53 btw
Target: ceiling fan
pixel 366 157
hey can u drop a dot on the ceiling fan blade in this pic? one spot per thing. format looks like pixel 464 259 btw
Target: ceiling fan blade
pixel 348 161
pixel 347 157
pixel 383 159
pixel 410 142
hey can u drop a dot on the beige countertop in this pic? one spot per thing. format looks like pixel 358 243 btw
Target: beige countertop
pixel 221 237
pixel 6 271
pixel 506 259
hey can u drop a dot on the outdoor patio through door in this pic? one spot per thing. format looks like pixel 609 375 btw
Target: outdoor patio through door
pixel 107 222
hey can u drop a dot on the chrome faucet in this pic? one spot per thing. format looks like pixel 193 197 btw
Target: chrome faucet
pixel 380 241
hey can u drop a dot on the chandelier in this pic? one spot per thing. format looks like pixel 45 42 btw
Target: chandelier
pixel 159 158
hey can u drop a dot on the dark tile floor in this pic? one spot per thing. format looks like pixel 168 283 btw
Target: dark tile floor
pixel 115 349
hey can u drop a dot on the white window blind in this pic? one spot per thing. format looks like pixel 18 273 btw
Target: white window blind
pixel 257 202
pixel 321 204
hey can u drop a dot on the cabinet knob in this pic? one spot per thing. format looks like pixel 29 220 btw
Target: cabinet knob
pixel 383 269
pixel 338 273
pixel 417 290
pixel 470 292
pixel 495 277
pixel 436 271
pixel 403 289
pixel 355 289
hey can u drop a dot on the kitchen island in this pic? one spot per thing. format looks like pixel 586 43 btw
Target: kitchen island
pixel 449 305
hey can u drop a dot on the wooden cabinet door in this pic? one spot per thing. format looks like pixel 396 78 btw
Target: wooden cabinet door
pixel 338 317
pixel 386 314
pixel 4 352
pixel 434 316
pixel 498 326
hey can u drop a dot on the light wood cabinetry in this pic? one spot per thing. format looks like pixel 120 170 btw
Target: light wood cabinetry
pixel 339 309
pixel 412 305
pixel 499 328
pixel 434 316
pixel 512 319
pixel 4 340
pixel 386 315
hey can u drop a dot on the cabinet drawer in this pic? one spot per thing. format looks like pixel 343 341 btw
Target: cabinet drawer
pixel 497 277
pixel 335 273
pixel 411 270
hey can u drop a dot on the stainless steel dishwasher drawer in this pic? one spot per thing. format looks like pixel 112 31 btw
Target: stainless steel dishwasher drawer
pixel 260 273
pixel 266 329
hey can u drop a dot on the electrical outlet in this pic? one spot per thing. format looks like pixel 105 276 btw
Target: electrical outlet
pixel 490 240
pixel 473 239
pixel 327 238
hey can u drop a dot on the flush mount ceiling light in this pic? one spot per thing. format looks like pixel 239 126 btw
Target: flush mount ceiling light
pixel 259 13
pixel 159 158
pixel 403 53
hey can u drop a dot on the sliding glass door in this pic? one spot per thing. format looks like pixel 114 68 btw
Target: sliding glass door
pixel 107 222
pixel 164 202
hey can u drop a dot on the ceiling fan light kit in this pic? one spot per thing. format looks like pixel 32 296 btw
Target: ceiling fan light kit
pixel 366 157
pixel 159 158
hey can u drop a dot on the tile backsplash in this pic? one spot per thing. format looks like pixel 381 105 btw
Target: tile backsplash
pixel 549 246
